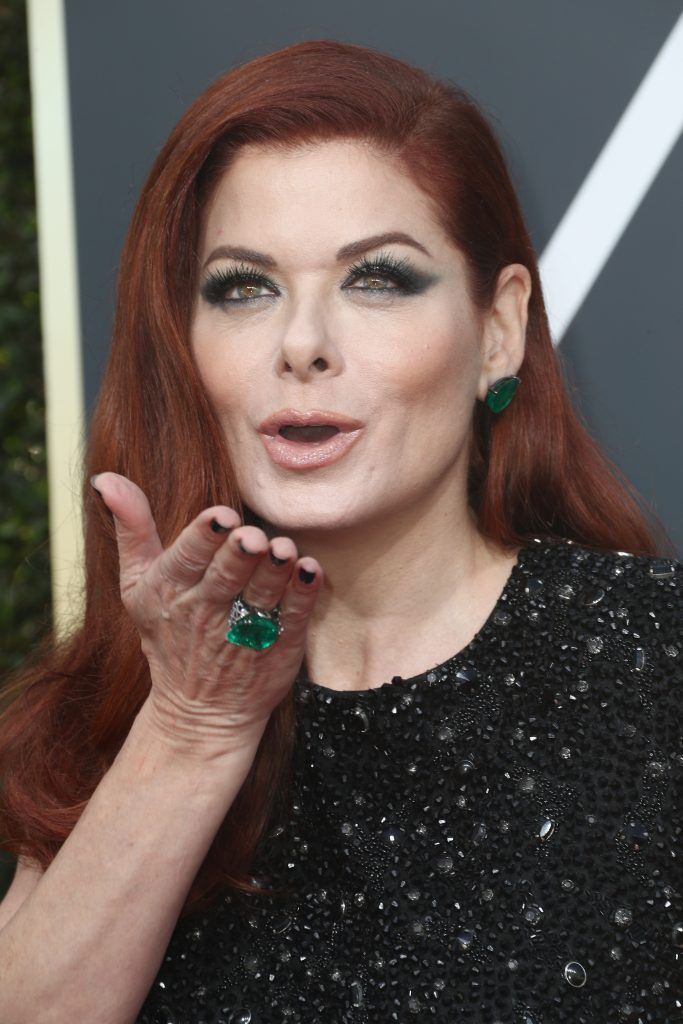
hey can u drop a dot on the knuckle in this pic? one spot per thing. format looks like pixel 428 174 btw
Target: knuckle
pixel 186 557
pixel 295 616
pixel 218 577
pixel 260 598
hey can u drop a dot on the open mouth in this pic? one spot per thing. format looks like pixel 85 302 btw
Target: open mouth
pixel 309 434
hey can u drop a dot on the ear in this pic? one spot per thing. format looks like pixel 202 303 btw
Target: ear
pixel 504 327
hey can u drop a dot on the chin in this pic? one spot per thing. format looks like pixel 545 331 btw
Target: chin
pixel 288 517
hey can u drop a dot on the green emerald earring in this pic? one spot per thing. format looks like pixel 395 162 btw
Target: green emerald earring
pixel 501 393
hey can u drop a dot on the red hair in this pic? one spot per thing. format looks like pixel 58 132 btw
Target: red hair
pixel 533 471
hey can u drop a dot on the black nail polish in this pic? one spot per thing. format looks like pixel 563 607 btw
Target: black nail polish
pixel 244 550
pixel 277 561
pixel 305 576
pixel 218 527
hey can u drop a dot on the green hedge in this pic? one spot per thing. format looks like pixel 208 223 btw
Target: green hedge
pixel 25 605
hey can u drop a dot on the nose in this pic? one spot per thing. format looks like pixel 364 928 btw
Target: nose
pixel 307 348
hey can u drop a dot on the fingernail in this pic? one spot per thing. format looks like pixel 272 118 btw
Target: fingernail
pixel 244 550
pixel 218 527
pixel 92 481
pixel 305 576
pixel 277 561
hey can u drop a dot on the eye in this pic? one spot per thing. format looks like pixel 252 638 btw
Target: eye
pixel 245 279
pixel 375 281
pixel 384 274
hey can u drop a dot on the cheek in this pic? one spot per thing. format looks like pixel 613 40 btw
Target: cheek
pixel 228 376
pixel 440 367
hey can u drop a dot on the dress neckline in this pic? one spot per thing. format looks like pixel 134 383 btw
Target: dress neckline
pixel 497 620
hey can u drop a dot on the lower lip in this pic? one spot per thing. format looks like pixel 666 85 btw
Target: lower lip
pixel 298 455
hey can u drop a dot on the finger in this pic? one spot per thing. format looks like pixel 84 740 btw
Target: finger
pixel 232 566
pixel 299 597
pixel 265 587
pixel 185 562
pixel 136 533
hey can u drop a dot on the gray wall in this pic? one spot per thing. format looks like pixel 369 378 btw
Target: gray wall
pixel 554 77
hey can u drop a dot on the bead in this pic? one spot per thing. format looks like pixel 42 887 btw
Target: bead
pixel 546 829
pixel 356 993
pixel 639 659
pixel 661 569
pixel 532 914
pixel 575 974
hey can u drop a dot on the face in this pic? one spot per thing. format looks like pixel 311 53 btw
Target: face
pixel 383 334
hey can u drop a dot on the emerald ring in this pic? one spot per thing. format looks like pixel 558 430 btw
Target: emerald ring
pixel 248 626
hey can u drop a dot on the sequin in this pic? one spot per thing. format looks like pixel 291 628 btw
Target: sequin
pixel 495 840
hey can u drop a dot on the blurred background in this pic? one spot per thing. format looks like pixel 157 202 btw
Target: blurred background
pixel 587 101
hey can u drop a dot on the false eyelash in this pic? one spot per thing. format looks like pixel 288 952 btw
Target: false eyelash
pixel 399 271
pixel 386 265
pixel 219 282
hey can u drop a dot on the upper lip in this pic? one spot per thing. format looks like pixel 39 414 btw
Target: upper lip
pixel 310 418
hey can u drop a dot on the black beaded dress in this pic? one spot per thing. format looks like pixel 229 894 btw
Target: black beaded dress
pixel 498 840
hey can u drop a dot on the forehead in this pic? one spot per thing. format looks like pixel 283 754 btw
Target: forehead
pixel 325 193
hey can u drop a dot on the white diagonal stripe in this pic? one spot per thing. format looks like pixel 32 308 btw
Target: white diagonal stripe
pixel 614 187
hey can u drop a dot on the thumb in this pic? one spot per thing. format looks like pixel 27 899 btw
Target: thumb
pixel 136 533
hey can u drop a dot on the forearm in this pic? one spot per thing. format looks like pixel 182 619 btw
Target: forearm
pixel 87 943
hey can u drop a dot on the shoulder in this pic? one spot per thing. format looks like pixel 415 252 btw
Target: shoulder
pixel 618 585
pixel 621 613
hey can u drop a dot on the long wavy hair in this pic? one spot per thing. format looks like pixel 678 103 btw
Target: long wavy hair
pixel 533 471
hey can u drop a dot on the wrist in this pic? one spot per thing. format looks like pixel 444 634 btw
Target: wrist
pixel 161 741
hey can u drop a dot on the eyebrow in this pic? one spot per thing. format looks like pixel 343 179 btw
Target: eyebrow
pixel 347 252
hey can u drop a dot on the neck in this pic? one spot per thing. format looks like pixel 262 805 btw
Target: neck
pixel 399 594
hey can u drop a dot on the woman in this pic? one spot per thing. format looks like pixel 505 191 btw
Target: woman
pixel 374 711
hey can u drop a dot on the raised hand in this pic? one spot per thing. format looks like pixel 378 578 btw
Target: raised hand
pixel 208 694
